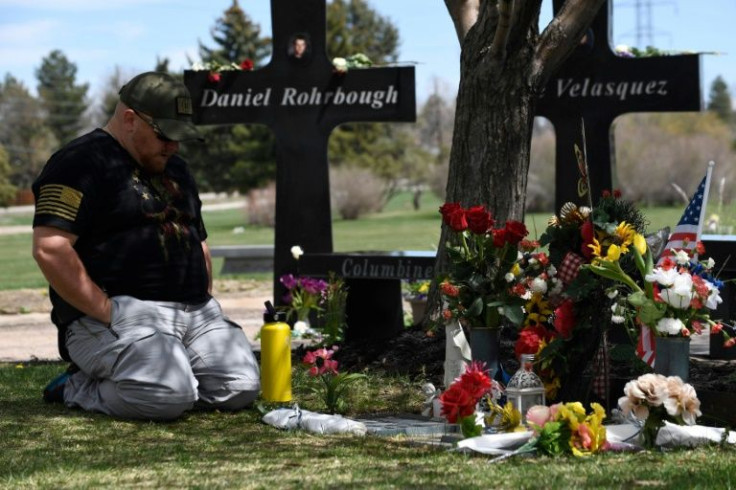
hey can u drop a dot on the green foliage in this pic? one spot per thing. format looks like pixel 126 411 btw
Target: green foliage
pixel 719 100
pixel 63 100
pixel 7 190
pixel 24 132
pixel 237 157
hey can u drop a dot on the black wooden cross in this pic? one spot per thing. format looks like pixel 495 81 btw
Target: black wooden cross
pixel 597 85
pixel 302 99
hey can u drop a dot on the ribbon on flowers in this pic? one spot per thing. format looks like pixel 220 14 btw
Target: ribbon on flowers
pixel 569 267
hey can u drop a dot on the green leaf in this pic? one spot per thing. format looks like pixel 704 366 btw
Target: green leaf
pixel 515 314
pixel 475 308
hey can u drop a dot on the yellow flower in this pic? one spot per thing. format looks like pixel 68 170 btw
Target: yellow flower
pixel 640 243
pixel 624 235
pixel 614 253
pixel 424 288
pixel 516 269
pixel 595 247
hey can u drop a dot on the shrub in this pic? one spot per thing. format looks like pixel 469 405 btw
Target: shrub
pixel 355 192
pixel 261 206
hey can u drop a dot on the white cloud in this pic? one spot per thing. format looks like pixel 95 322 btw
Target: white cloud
pixel 27 33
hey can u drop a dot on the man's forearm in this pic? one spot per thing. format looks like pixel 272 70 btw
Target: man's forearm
pixel 65 272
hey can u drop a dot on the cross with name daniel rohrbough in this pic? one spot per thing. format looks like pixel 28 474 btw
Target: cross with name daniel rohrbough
pixel 301 98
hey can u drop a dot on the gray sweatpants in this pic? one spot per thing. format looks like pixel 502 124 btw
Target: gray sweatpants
pixel 159 359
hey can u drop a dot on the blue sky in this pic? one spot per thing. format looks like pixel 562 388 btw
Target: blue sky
pixel 97 35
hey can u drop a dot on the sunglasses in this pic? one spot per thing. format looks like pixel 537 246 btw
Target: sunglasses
pixel 154 126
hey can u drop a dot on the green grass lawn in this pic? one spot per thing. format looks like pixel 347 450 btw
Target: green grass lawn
pixel 398 227
pixel 49 446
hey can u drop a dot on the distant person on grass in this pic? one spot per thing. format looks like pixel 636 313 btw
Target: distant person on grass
pixel 118 233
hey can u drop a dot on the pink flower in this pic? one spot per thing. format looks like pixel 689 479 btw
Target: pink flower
pixel 213 77
pixel 539 415
pixel 730 343
pixel 320 362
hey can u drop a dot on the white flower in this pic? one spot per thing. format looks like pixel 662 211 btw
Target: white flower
pixel 670 326
pixel 680 293
pixel 538 285
pixel 296 252
pixel 612 293
pixel 509 277
pixel 714 296
pixel 551 271
pixel 533 261
pixel 661 276
pixel 300 328
pixel 340 64
pixel 710 263
pixel 617 319
pixel 622 48
pixel 682 257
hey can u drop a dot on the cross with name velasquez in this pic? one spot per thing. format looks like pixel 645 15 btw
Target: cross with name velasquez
pixel 596 85
pixel 302 99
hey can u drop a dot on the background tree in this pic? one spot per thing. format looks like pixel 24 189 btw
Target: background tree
pixel 354 27
pixel 7 189
pixel 434 127
pixel 63 100
pixel 238 157
pixel 719 100
pixel 23 132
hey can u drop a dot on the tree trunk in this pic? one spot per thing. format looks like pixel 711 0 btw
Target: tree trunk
pixel 504 66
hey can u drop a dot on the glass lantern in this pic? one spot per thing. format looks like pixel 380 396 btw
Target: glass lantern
pixel 525 388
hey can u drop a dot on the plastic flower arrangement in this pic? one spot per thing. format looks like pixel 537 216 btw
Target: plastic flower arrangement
pixel 304 295
pixel 215 68
pixel 484 267
pixel 565 428
pixel 675 297
pixel 460 400
pixel 652 399
pixel 564 326
pixel 327 382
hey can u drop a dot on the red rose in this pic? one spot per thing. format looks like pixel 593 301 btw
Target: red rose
pixel 515 231
pixel 479 220
pixel 213 77
pixel 247 64
pixel 456 402
pixel 565 319
pixel 499 237
pixel 587 232
pixel 528 342
pixel 454 216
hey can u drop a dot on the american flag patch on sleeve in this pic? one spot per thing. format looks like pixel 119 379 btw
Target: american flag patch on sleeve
pixel 59 200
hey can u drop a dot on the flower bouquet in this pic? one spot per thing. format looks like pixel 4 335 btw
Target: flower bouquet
pixel 565 428
pixel 303 296
pixel 460 400
pixel 653 399
pixel 565 325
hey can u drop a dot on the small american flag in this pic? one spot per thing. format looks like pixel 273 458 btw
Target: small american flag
pixel 687 232
pixel 684 237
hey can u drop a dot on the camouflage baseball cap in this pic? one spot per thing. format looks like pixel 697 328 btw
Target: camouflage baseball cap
pixel 166 100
